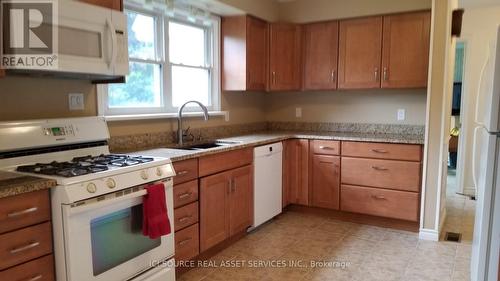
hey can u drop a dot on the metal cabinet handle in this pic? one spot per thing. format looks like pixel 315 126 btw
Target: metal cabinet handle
pixel 326 148
pixel 23 212
pixel 333 75
pixel 379 150
pixel 379 168
pixel 182 173
pixel 274 77
pixel 185 241
pixel 25 248
pixel 185 195
pixel 38 277
pixel 376 73
pixel 378 197
pixel 386 75
pixel 186 218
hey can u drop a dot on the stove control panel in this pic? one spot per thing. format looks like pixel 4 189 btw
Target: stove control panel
pixel 59 131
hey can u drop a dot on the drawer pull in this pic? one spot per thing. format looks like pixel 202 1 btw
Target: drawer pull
pixel 23 212
pixel 185 241
pixel 378 197
pixel 183 219
pixel 379 151
pixel 379 168
pixel 38 277
pixel 25 248
pixel 185 195
pixel 326 148
pixel 181 173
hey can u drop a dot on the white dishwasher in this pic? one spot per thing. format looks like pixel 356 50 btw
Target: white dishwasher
pixel 268 177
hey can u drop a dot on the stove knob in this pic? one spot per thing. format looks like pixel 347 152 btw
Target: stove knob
pixel 159 172
pixel 144 175
pixel 111 183
pixel 91 188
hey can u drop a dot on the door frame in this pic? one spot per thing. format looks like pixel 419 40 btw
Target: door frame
pixel 462 149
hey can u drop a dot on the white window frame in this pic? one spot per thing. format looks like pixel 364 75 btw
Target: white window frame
pixel 212 34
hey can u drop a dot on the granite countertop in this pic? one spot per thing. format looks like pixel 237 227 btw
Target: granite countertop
pixel 252 140
pixel 14 184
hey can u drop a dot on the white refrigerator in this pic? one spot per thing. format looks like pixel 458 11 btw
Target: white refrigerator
pixel 486 169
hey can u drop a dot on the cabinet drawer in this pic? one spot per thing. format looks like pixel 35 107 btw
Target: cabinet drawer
pixel 185 170
pixel 215 163
pixel 408 152
pixel 399 175
pixel 25 244
pixel 325 147
pixel 185 216
pixel 187 244
pixel 24 210
pixel 41 269
pixel 185 193
pixel 380 202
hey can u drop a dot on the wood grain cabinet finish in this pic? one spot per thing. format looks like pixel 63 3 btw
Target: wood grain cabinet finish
pixel 186 170
pixel 224 161
pixel 110 4
pixel 285 57
pixel 226 201
pixel 185 193
pixel 185 216
pixel 406 152
pixel 24 210
pixel 187 243
pixel 325 187
pixel 380 202
pixel 360 45
pixel 405 55
pixel 244 54
pixel 390 174
pixel 41 269
pixel 321 55
pixel 296 172
pixel 325 147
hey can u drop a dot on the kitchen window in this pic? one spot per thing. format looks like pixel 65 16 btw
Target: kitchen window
pixel 172 59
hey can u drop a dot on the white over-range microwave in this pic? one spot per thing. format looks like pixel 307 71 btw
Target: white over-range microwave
pixel 92 42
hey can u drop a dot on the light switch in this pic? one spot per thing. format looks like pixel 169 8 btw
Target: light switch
pixel 76 101
pixel 401 114
pixel 298 112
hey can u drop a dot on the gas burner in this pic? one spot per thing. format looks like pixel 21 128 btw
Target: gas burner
pixel 117 160
pixel 63 169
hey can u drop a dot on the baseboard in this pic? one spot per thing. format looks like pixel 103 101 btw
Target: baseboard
pixel 428 234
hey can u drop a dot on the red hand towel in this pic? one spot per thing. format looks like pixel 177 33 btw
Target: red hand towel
pixel 155 221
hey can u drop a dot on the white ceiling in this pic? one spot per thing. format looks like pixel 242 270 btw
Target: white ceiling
pixel 477 3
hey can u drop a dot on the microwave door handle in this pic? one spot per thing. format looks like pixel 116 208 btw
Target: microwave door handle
pixel 112 31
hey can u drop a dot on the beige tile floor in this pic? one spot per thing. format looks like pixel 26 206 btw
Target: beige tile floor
pixel 355 252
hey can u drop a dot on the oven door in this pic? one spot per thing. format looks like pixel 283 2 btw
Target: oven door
pixel 104 241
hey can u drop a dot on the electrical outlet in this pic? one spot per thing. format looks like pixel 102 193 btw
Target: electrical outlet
pixel 76 101
pixel 401 114
pixel 298 112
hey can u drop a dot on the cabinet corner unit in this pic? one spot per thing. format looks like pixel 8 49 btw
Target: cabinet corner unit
pixel 244 53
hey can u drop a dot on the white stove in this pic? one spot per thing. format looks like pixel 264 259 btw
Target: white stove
pixel 97 204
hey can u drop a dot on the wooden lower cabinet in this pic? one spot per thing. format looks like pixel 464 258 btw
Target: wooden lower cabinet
pixel 41 269
pixel 226 201
pixel 325 187
pixel 296 172
pixel 110 4
pixel 187 243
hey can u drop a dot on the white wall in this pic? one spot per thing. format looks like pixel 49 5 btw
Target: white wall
pixel 478 29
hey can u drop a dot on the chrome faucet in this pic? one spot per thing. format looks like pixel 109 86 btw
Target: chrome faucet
pixel 180 132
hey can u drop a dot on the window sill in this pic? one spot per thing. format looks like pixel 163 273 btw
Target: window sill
pixel 113 118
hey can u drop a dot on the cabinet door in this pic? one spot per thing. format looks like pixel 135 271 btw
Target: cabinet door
pixel 257 54
pixel 241 200
pixel 214 195
pixel 325 187
pixel 405 59
pixel 296 169
pixel 285 62
pixel 360 49
pixel 320 56
pixel 111 4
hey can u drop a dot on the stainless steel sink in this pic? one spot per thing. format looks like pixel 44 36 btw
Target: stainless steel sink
pixel 208 145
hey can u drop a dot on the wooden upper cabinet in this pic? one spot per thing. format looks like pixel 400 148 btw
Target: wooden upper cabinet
pixel 285 57
pixel 111 4
pixel 406 42
pixel 321 55
pixel 244 54
pixel 360 49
